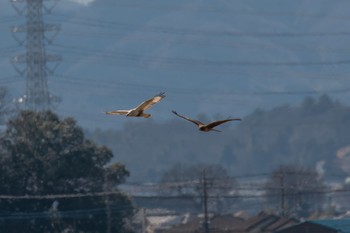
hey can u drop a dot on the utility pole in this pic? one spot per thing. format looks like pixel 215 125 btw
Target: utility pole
pixel 143 223
pixel 205 203
pixel 108 206
pixel 37 97
pixel 282 195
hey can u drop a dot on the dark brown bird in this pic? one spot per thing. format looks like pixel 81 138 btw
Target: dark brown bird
pixel 206 127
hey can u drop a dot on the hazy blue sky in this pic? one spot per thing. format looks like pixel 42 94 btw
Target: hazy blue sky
pixel 224 56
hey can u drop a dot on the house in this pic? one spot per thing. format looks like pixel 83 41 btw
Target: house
pixel 281 223
pixel 264 223
pixel 261 223
pixel 217 223
pixel 308 227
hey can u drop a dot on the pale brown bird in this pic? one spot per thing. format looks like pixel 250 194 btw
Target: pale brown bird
pixel 139 110
pixel 206 127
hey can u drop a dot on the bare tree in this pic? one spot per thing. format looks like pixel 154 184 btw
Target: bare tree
pixel 295 190
pixel 188 180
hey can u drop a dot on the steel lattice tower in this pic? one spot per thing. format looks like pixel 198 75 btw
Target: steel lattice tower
pixel 37 97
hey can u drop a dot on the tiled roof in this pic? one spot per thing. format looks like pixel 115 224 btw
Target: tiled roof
pixel 261 223
pixel 221 222
pixel 225 221
pixel 282 222
pixel 308 227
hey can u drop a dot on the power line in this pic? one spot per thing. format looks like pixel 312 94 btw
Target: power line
pixel 82 213
pixel 191 181
pixel 143 62
pixel 216 9
pixel 90 22
pixel 186 196
pixel 247 196
pixel 138 58
pixel 64 214
pixel 9 48
pixel 227 44
pixel 60 196
pixel 10 79
pixel 192 32
pixel 89 82
pixel 7 19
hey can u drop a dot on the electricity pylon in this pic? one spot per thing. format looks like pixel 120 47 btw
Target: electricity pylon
pixel 35 59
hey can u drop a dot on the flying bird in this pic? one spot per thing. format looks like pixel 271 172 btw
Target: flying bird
pixel 139 110
pixel 206 127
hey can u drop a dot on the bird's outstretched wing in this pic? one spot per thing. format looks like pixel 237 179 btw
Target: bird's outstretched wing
pixel 189 119
pixel 117 112
pixel 149 103
pixel 216 123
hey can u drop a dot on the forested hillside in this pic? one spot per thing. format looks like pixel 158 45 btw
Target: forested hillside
pixel 307 134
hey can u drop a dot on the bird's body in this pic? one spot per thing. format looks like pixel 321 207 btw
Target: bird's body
pixel 206 127
pixel 139 110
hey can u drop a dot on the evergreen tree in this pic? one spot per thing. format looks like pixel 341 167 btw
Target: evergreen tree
pixel 42 156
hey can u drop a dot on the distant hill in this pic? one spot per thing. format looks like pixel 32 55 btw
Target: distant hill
pixel 309 134
pixel 208 56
